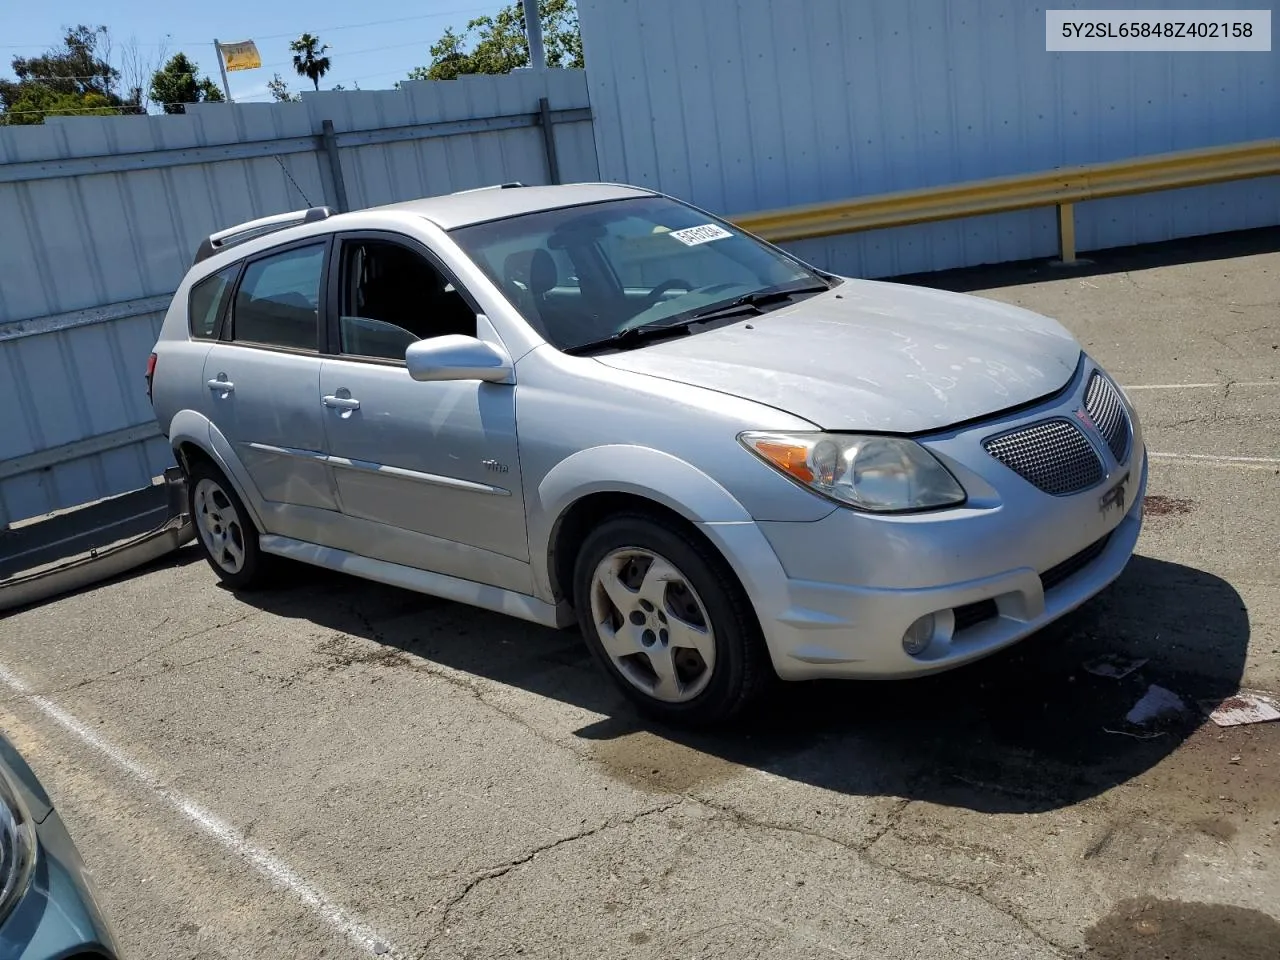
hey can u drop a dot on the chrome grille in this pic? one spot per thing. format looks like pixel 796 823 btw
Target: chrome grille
pixel 1102 400
pixel 1054 455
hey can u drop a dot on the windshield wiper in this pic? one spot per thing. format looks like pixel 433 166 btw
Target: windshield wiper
pixel 753 301
pixel 680 325
pixel 646 331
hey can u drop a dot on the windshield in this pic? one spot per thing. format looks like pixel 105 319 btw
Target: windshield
pixel 584 274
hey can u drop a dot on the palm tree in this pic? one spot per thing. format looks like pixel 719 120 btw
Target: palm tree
pixel 307 59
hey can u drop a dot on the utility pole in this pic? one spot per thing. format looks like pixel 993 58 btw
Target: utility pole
pixel 222 67
pixel 533 29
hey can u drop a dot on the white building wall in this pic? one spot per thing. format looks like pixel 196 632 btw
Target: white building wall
pixel 743 105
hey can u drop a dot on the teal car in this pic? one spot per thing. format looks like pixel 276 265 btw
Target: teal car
pixel 47 907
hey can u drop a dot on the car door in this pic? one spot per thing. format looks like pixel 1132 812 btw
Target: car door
pixel 430 469
pixel 262 385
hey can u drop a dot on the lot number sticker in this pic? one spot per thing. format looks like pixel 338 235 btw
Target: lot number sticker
pixel 692 236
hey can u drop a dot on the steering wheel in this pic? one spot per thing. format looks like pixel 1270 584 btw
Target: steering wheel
pixel 656 293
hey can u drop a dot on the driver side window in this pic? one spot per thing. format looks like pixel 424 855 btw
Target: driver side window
pixel 392 296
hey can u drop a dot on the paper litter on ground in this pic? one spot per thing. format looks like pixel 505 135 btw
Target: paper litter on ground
pixel 1244 707
pixel 1156 704
pixel 1112 665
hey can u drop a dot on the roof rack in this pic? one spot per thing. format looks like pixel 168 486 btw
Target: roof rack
pixel 240 233
pixel 494 186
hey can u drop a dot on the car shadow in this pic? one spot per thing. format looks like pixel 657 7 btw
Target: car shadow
pixel 1028 729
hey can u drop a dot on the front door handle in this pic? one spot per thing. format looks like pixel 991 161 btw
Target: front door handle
pixel 226 386
pixel 341 403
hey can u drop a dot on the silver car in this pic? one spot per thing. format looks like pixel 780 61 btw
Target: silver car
pixel 594 403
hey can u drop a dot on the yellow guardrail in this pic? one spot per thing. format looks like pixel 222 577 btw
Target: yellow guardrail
pixel 1062 188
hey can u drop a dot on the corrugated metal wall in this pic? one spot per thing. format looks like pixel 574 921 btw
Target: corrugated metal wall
pixel 742 105
pixel 100 217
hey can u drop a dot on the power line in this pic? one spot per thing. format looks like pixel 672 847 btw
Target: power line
pixel 255 98
pixel 277 36
pixel 380 23
pixel 82 111
pixel 401 75
pixel 265 66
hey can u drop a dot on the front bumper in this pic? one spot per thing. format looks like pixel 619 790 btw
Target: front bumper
pixel 829 630
pixel 835 596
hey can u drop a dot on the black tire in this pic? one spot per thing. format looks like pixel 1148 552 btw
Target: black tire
pixel 742 671
pixel 256 568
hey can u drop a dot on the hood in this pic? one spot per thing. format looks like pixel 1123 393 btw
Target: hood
pixel 874 355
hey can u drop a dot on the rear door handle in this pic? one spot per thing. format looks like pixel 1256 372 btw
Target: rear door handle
pixel 341 403
pixel 226 386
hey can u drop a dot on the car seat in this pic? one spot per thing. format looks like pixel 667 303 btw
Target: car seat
pixel 530 276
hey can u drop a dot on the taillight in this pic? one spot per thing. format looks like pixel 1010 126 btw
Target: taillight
pixel 151 372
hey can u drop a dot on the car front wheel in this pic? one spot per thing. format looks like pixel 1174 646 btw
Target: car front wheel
pixel 667 620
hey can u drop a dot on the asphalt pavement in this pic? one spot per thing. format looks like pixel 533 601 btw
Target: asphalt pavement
pixel 342 770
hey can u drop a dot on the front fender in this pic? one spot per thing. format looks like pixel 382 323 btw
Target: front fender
pixel 189 426
pixel 622 468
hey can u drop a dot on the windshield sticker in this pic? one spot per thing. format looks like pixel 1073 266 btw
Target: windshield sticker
pixel 692 236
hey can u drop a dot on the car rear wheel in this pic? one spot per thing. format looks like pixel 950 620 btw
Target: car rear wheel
pixel 667 620
pixel 228 538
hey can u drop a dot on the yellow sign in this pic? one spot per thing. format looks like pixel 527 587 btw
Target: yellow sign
pixel 240 56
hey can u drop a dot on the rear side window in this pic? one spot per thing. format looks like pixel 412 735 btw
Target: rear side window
pixel 278 303
pixel 209 302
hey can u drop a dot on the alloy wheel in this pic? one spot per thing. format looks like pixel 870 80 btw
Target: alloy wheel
pixel 652 624
pixel 220 526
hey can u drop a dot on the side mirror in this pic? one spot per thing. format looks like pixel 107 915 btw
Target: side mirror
pixel 457 357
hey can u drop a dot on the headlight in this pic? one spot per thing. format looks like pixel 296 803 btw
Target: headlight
pixel 879 474
pixel 17 846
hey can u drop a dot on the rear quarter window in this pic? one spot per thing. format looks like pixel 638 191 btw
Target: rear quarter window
pixel 209 302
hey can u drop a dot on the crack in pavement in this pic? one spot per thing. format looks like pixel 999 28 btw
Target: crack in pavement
pixel 163 669
pixel 863 852
pixel 891 822
pixel 492 873
pixel 1212 296
pixel 117 674
pixel 473 686
pixel 960 887
pixel 478 694
pixel 478 690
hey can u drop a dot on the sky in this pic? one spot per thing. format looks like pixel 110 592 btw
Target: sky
pixel 373 42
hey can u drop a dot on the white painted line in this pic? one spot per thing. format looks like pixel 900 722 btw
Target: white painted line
pixel 1202 386
pixel 279 873
pixel 1210 458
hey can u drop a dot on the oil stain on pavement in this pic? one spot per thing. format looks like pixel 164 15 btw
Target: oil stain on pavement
pixel 1149 929
pixel 1158 506
pixel 650 762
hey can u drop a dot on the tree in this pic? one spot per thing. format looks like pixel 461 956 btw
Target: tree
pixel 279 90
pixel 499 44
pixel 76 78
pixel 178 83
pixel 33 103
pixel 308 59
pixel 137 69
